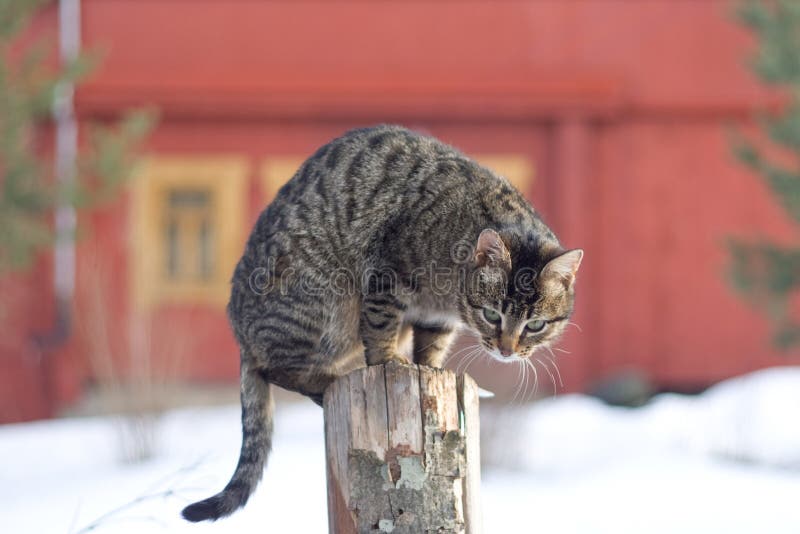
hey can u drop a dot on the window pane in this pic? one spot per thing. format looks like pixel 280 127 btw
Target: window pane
pixel 172 248
pixel 206 250
pixel 189 235
pixel 188 198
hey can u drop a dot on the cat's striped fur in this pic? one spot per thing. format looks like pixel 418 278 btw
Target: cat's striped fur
pixel 383 231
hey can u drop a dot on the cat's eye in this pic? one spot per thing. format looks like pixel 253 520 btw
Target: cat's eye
pixel 491 315
pixel 536 325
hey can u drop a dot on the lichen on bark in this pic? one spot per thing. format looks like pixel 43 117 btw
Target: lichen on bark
pixel 424 497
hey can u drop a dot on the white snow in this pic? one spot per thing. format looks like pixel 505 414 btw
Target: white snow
pixel 725 461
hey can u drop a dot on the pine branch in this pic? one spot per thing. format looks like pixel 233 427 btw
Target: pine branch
pixel 765 273
pixel 28 192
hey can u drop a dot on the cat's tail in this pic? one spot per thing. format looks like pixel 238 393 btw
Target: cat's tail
pixel 257 408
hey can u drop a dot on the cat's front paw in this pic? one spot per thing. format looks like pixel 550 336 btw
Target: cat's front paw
pixel 396 357
pixel 386 358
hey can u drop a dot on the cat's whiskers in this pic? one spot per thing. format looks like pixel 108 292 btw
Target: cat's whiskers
pixel 552 376
pixel 525 391
pixel 468 350
pixel 576 325
pixel 525 376
pixel 520 375
pixel 535 377
pixel 562 350
pixel 473 357
pixel 429 345
pixel 463 360
pixel 526 395
pixel 467 360
pixel 523 383
pixel 460 351
pixel 552 359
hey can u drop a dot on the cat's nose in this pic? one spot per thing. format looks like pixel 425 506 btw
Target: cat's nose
pixel 507 346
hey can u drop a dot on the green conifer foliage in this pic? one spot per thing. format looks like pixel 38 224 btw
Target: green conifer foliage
pixel 29 82
pixel 765 272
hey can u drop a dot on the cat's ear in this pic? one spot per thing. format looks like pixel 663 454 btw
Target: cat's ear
pixel 563 267
pixel 491 251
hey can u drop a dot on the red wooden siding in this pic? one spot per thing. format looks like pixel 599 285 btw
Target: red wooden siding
pixel 620 105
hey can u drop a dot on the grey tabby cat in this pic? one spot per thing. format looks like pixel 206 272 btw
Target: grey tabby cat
pixel 383 232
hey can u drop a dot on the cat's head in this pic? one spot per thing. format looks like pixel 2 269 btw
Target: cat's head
pixel 519 293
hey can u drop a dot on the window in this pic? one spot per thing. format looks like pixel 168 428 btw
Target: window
pixel 188 229
pixel 189 242
pixel 276 171
pixel 516 168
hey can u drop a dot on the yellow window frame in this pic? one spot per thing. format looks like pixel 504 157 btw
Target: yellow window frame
pixel 276 171
pixel 226 179
pixel 518 169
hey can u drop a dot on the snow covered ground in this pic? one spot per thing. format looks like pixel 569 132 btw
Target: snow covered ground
pixel 725 461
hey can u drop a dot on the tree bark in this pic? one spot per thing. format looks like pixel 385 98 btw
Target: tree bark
pixel 402 451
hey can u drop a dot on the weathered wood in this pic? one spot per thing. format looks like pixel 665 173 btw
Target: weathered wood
pixel 471 427
pixel 402 451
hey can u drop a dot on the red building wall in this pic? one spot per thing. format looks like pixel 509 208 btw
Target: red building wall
pixel 622 107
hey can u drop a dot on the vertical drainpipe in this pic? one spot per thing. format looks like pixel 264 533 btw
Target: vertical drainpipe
pixel 65 219
pixel 69 40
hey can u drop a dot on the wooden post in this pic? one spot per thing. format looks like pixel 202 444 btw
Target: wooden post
pixel 402 451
